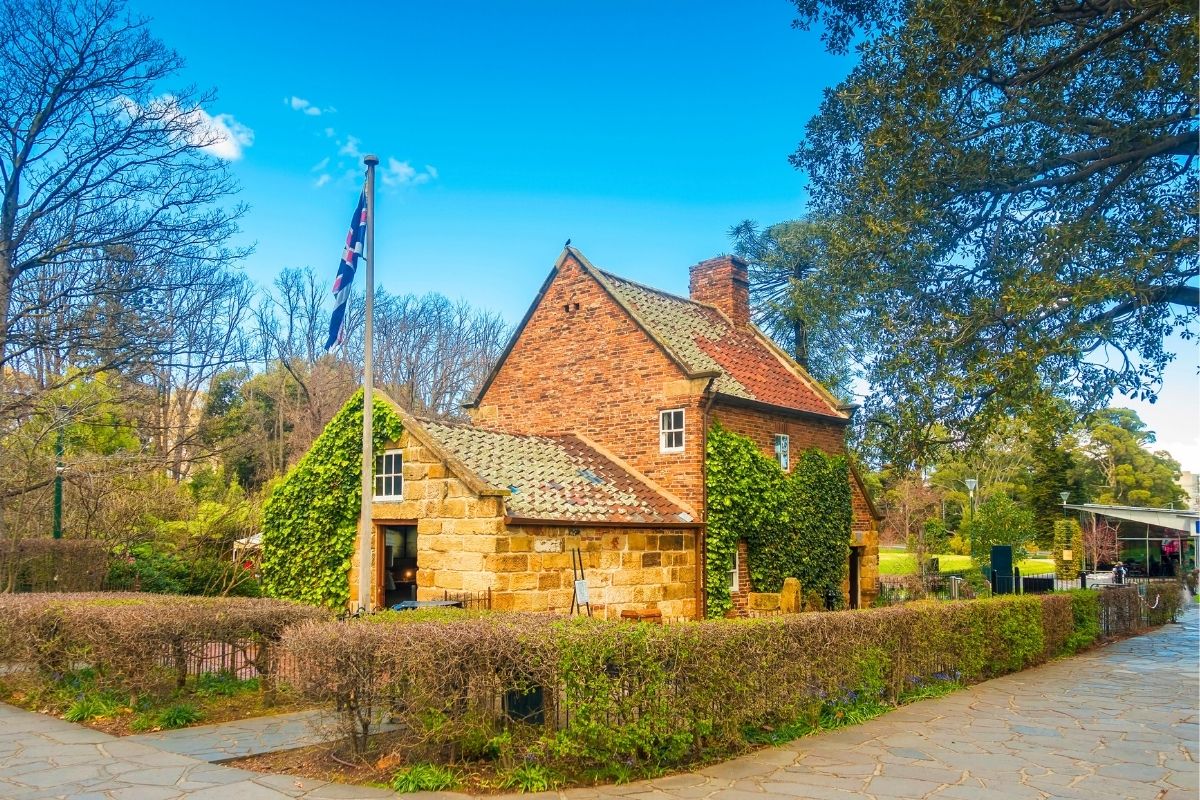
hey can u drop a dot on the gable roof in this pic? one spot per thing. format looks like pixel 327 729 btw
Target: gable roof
pixel 550 478
pixel 743 363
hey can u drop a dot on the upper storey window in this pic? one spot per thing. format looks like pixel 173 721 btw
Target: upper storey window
pixel 670 431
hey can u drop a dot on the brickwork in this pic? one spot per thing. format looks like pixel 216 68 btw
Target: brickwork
pixel 741 598
pixel 723 282
pixel 582 365
pixel 465 545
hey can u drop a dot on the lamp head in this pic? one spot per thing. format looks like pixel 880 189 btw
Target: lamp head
pixel 971 484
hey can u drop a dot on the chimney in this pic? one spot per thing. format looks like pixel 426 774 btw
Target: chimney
pixel 723 282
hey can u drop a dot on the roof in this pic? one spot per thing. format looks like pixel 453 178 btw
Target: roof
pixel 555 478
pixel 1176 519
pixel 703 339
pixel 743 363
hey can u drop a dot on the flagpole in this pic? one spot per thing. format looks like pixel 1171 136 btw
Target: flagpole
pixel 366 600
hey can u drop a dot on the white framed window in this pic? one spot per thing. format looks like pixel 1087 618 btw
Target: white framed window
pixel 389 475
pixel 670 431
pixel 733 573
pixel 783 453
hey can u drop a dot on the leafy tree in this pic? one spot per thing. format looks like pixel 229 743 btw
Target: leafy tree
pixel 999 521
pixel 1014 183
pixel 1121 470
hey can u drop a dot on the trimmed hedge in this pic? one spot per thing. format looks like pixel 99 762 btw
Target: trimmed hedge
pixel 143 644
pixel 660 696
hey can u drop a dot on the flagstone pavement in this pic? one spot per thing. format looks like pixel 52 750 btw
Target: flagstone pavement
pixel 1118 722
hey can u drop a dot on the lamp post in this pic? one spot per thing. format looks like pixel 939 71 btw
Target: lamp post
pixel 58 476
pixel 971 483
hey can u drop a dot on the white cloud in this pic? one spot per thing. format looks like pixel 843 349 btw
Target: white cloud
pixel 402 173
pixel 306 107
pixel 320 165
pixel 350 147
pixel 220 135
pixel 322 180
pixel 330 133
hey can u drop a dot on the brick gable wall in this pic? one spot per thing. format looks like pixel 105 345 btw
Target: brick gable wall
pixel 583 365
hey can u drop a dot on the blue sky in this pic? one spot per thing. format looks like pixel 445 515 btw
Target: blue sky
pixel 641 130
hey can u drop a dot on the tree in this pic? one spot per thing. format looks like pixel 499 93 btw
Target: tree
pixel 1014 183
pixel 817 326
pixel 105 182
pixel 1121 471
pixel 1099 543
pixel 1000 521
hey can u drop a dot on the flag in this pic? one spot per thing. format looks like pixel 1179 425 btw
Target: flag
pixel 345 273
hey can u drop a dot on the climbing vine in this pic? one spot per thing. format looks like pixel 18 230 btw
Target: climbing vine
pixel 310 518
pixel 795 525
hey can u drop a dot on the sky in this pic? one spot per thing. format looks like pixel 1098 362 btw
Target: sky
pixel 641 131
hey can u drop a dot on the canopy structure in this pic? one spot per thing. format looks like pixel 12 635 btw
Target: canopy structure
pixel 1179 520
pixel 1173 532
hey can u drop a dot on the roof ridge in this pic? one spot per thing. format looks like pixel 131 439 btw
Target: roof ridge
pixel 655 289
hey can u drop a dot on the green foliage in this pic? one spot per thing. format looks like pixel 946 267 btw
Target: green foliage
pixel 160 568
pixel 999 521
pixel 795 525
pixel 223 684
pixel 178 716
pixel 1121 470
pixel 1068 536
pixel 1085 611
pixel 94 705
pixel 425 778
pixel 529 778
pixel 619 691
pixel 310 519
pixel 989 207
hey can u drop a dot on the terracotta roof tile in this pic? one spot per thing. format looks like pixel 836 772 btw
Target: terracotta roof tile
pixel 705 340
pixel 554 477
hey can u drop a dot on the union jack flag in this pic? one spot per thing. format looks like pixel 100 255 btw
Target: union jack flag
pixel 345 273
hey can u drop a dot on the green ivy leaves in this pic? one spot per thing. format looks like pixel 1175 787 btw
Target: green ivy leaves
pixel 795 525
pixel 310 519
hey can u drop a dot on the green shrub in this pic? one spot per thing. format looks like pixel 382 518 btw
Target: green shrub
pixel 1085 611
pixel 529 778
pixel 93 706
pixel 178 716
pixel 425 778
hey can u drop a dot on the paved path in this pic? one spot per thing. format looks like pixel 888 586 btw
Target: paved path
pixel 1118 722
pixel 248 737
pixel 42 757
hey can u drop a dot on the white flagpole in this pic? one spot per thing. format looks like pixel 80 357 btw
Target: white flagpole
pixel 366 529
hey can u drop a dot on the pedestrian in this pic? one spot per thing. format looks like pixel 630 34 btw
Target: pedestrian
pixel 1192 579
pixel 1118 572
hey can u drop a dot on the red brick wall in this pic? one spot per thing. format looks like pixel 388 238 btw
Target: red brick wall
pixel 582 365
pixel 722 282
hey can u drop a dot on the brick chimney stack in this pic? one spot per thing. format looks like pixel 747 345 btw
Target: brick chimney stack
pixel 723 282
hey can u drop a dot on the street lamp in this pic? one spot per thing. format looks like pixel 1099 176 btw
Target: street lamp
pixel 59 468
pixel 971 483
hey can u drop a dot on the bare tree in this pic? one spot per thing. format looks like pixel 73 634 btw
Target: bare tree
pixel 113 216
pixel 1100 542
pixel 105 184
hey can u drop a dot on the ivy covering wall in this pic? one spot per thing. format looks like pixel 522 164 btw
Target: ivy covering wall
pixel 310 519
pixel 795 525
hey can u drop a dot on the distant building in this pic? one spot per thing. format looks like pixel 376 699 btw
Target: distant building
pixel 1190 481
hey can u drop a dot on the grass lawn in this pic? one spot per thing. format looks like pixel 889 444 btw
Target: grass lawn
pixel 898 562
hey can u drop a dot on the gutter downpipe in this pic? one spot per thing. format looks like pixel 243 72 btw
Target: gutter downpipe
pixel 702 531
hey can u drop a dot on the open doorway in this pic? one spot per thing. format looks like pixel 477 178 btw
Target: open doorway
pixel 398 578
pixel 855 576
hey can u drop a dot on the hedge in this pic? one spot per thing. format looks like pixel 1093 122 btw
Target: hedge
pixel 605 693
pixel 139 643
pixel 53 565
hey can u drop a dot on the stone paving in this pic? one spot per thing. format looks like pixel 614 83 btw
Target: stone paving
pixel 1118 722
pixel 247 737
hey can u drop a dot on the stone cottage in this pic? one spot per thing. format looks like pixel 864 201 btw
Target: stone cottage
pixel 589 433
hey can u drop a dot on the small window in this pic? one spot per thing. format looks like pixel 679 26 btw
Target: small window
pixel 733 573
pixel 389 475
pixel 783 451
pixel 670 431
